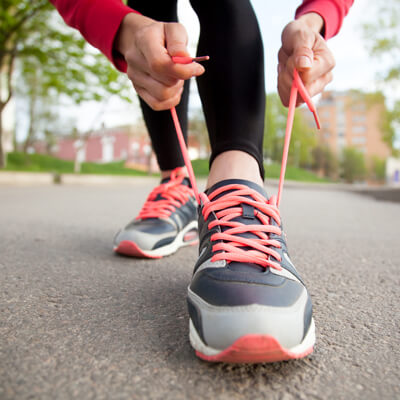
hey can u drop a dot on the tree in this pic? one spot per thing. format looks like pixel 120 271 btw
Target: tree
pixel 383 37
pixel 325 161
pixel 353 165
pixel 198 127
pixel 383 41
pixel 377 169
pixel 52 58
pixel 303 137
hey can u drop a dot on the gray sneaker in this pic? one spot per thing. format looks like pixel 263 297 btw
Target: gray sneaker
pixel 247 302
pixel 167 221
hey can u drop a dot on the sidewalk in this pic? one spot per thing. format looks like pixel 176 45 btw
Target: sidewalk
pixel 12 178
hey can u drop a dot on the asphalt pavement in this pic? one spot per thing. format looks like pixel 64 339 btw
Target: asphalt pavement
pixel 78 322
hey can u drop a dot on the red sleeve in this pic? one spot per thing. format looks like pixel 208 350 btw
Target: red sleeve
pixel 98 22
pixel 332 12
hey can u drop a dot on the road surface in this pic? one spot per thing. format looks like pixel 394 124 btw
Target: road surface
pixel 78 322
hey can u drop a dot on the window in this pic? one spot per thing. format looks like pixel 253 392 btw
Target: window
pixel 359 129
pixel 358 140
pixel 359 118
pixel 359 107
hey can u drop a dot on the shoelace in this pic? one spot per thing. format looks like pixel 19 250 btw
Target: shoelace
pixel 165 198
pixel 232 246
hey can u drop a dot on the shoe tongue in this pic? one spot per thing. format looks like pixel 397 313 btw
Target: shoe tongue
pixel 247 218
pixel 185 182
pixel 226 182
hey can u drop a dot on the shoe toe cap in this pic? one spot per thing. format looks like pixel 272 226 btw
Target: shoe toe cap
pixel 222 312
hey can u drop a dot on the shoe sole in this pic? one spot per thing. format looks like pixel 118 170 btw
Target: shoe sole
pixel 184 238
pixel 253 348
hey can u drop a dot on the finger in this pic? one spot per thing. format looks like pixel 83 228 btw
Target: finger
pixel 162 68
pixel 176 39
pixel 158 90
pixel 282 56
pixel 303 54
pixel 324 62
pixel 156 104
pixel 319 85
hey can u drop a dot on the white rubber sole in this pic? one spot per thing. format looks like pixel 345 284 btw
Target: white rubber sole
pixel 271 352
pixel 130 248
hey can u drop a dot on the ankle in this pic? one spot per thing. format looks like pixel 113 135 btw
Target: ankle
pixel 234 164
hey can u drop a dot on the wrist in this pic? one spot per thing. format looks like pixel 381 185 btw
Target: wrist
pixel 314 21
pixel 129 26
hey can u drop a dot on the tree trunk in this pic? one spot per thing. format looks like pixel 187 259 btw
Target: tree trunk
pixel 3 157
pixel 32 118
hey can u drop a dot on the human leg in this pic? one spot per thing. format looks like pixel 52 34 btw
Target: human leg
pixel 246 300
pixel 232 90
pixel 159 123
pixel 168 219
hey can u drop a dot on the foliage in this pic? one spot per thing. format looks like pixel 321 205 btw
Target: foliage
pixel 198 128
pixel 383 36
pixel 377 170
pixel 200 168
pixel 303 137
pixel 353 165
pixel 325 161
pixel 383 41
pixel 52 59
pixel 44 163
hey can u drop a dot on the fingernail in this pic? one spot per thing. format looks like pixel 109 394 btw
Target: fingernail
pixel 304 62
pixel 280 68
pixel 199 70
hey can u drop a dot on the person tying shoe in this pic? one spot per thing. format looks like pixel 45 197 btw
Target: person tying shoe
pixel 247 302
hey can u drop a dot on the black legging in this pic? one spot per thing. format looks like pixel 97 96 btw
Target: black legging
pixel 232 89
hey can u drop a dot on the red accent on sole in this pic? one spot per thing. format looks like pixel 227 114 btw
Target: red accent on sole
pixel 191 235
pixel 128 248
pixel 254 349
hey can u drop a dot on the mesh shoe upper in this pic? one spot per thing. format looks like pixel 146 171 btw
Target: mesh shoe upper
pixel 169 208
pixel 244 281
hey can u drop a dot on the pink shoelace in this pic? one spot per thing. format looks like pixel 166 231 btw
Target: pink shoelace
pixel 165 198
pixel 230 245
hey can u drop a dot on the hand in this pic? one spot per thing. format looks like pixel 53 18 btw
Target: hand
pixel 305 49
pixel 147 47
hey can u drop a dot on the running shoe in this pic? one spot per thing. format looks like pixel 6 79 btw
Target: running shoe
pixel 246 300
pixel 167 221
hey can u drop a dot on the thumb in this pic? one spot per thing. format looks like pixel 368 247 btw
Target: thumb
pixel 176 39
pixel 302 53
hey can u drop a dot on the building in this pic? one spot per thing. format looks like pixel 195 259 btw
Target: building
pixel 129 144
pixel 352 119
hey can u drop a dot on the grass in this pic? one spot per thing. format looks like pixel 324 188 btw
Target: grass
pixel 44 163
pixel 293 173
pixel 200 168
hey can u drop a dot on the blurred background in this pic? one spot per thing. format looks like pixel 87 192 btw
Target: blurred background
pixel 64 108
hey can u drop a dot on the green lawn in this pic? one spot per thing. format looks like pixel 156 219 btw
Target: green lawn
pixel 44 163
pixel 271 171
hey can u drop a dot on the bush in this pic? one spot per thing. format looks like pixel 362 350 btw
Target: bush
pixel 325 161
pixel 377 170
pixel 353 165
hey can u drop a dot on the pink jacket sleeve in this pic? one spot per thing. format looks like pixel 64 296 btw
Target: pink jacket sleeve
pixel 98 22
pixel 332 12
